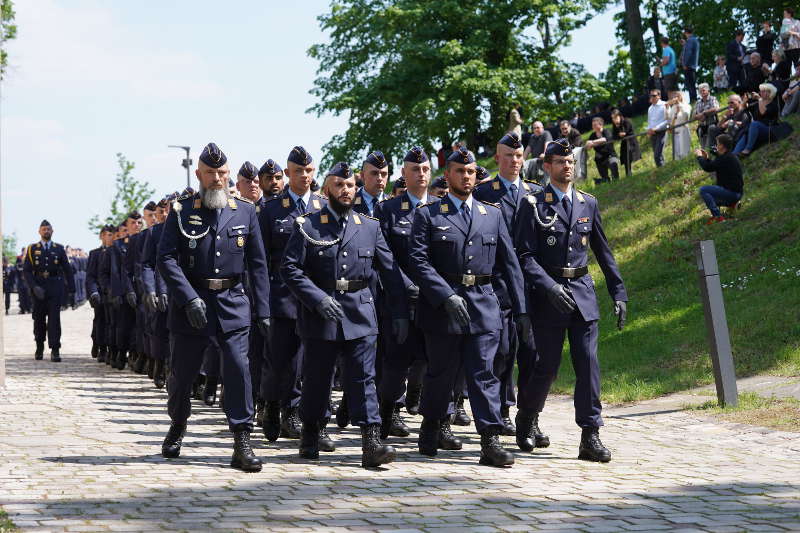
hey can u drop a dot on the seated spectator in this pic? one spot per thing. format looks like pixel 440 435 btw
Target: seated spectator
pixel 730 183
pixel 720 76
pixel 753 74
pixel 733 122
pixel 791 97
pixel 705 112
pixel 605 156
pixel 622 130
pixel 657 126
pixel 656 83
pixel 763 107
pixel 779 72
pixel 535 151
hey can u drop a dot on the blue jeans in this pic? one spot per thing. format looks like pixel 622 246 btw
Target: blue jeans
pixel 758 131
pixel 714 195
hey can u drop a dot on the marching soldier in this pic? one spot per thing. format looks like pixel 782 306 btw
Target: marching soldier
pixel 133 278
pixel 328 263
pixel 556 229
pixel 45 269
pixel 375 173
pixel 281 386
pixel 208 241
pixel 270 179
pixel 99 328
pixel 23 290
pixel 123 298
pixel 508 191
pixel 458 243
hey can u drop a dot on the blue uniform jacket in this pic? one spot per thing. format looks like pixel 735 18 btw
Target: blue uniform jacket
pixel 41 266
pixel 396 218
pixel 565 244
pixel 92 270
pixel 442 244
pixel 231 245
pixel 151 277
pixel 277 220
pixel 495 192
pixel 306 266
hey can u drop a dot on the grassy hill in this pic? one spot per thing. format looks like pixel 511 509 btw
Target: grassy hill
pixel 653 221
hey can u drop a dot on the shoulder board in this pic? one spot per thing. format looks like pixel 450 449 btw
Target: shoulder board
pixel 586 193
pixel 367 216
pixel 534 182
pixel 431 203
pixel 318 195
pixel 302 218
pixel 184 197
pixel 242 198
pixel 489 203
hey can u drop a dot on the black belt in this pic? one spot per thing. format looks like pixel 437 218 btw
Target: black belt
pixel 468 280
pixel 345 285
pixel 46 275
pixel 578 272
pixel 216 284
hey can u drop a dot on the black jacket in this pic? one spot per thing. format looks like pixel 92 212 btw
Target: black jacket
pixel 728 169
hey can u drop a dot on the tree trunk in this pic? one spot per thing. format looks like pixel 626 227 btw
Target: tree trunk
pixel 633 20
pixel 654 26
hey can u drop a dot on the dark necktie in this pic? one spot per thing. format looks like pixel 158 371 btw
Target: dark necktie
pixel 567 207
pixel 466 214
pixel 513 192
pixel 301 205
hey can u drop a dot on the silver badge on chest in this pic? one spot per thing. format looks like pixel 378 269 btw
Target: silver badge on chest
pixel 192 244
pixel 551 240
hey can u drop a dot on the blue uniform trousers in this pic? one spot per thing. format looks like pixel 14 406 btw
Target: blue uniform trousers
pixel 47 313
pixel 255 357
pixel 446 355
pixel 397 362
pixel 583 350
pixel 505 358
pixel 187 358
pixel 125 323
pixel 358 379
pixel 99 329
pixel 111 324
pixel 281 381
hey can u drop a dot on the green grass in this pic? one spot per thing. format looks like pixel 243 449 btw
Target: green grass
pixel 653 221
pixel 6 525
pixel 776 413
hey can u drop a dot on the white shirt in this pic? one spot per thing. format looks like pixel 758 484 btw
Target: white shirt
pixel 657 116
pixel 306 197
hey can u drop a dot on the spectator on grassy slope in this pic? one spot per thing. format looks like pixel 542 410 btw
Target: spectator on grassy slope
pixel 622 130
pixel 765 112
pixel 729 186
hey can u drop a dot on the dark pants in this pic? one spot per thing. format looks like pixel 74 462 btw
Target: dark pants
pixel 212 361
pixel 125 324
pixel 446 355
pixel 397 361
pixel 583 350
pixel 658 140
pixel 281 382
pixel 8 300
pixel 358 379
pixel 734 76
pixel 671 82
pixel 756 132
pixel 187 358
pixel 111 323
pixel 255 357
pixel 505 358
pixel 417 373
pixel 689 80
pixel 47 313
pixel 714 195
pixel 24 296
pixel 99 329
pixel 603 165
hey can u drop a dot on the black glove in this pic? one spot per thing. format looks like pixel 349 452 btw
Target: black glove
pixel 116 301
pixel 525 328
pixel 131 299
pixel 456 308
pixel 621 310
pixel 38 292
pixel 413 292
pixel 162 303
pixel 400 329
pixel 264 325
pixel 94 299
pixel 196 313
pixel 330 309
pixel 151 302
pixel 561 299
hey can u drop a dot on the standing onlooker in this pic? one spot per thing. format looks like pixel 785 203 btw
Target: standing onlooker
pixel 678 113
pixel 656 83
pixel 668 66
pixel 791 97
pixel 765 43
pixel 706 114
pixel 657 126
pixel 753 74
pixel 790 37
pixel 622 130
pixel 535 150
pixel 690 57
pixel 780 71
pixel 605 157
pixel 765 112
pixel 734 55
pixel 720 76
pixel 730 184
pixel 576 141
pixel 514 122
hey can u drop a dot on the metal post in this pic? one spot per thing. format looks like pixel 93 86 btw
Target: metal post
pixel 716 324
pixel 185 163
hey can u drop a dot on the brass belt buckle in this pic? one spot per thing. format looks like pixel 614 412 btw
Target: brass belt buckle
pixel 45 274
pixel 215 284
pixel 468 279
pixel 569 272
pixel 342 285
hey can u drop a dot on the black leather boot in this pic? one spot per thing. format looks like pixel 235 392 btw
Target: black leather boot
pixel 171 448
pixel 111 357
pixel 272 421
pixel 526 441
pixel 542 440
pixel 101 354
pixel 591 448
pixel 492 453
pixel 260 414
pixel 342 414
pixel 54 355
pixel 398 427
pixel 122 359
pixel 95 350
pixel 243 457
pixel 412 400
pixel 140 363
pixel 159 378
pixel 386 412
pixel 448 441
pixel 309 441
pixel 428 437
pixel 325 441
pixel 461 418
pixel 150 369
pixel 210 391
pixel 197 388
pixel 509 430
pixel 290 424
pixel 373 453
pixel 39 355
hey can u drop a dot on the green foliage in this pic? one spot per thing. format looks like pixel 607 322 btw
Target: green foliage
pixel 618 79
pixel 8 31
pixel 10 249
pixel 6 525
pixel 130 194
pixel 418 71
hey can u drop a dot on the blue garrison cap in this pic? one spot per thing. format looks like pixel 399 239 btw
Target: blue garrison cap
pixel 187 190
pixel 151 206
pixel 481 173
pixel 248 171
pixel 439 183
pixel 213 156
pixel 558 147
pixel 416 155
pixel 511 139
pixel 108 228
pixel 462 155
pixel 299 156
pixel 269 168
pixel 377 159
pixel 314 186
pixel 341 170
pixel 399 183
pixel 44 223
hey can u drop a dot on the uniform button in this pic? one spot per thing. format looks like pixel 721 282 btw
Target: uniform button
pixel 370 298
pixel 192 232
pixel 469 243
pixel 239 232
pixel 320 252
pixel 341 292
pixel 569 264
pixel 344 254
pixel 469 271
pixel 402 232
pixel 218 254
pixel 216 271
pixel 344 267
pixel 470 257
pixel 444 237
pixel 280 230
pixel 570 248
pixel 218 237
pixel 570 233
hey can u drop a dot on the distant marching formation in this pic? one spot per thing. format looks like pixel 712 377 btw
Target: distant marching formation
pixel 411 301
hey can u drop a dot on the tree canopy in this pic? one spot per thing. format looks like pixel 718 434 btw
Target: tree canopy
pixel 129 194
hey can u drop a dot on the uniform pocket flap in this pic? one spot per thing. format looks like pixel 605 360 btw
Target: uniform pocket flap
pixel 489 238
pixel 365 252
pixel 366 297
pixel 236 231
